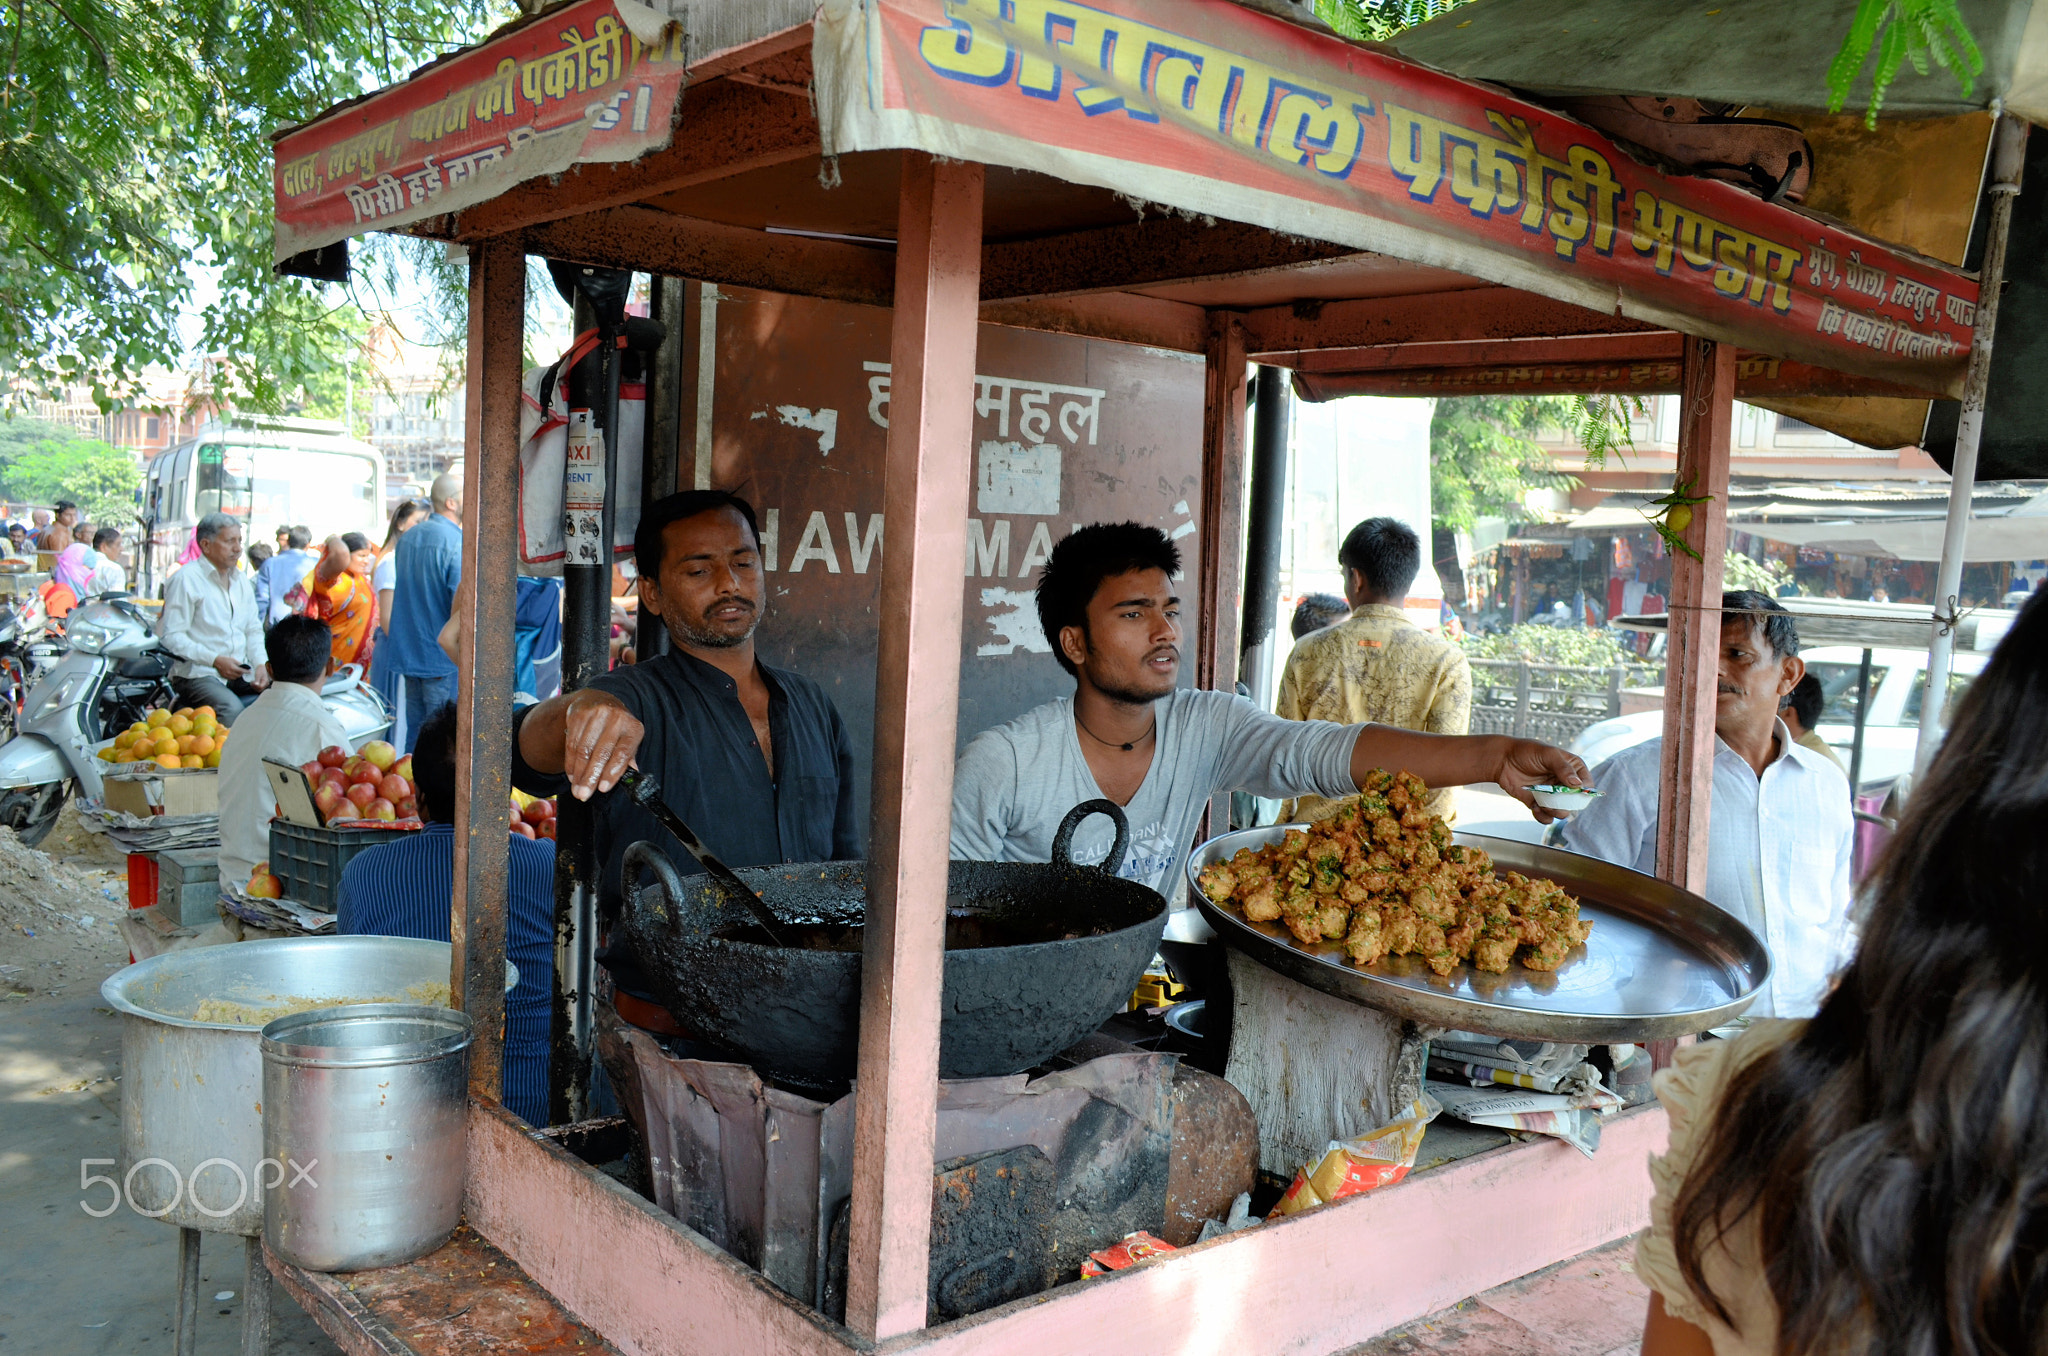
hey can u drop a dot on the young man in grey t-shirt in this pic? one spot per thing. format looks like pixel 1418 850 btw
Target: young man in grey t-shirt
pixel 1109 609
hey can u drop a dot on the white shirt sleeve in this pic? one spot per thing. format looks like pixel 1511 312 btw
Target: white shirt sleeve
pixel 1273 757
pixel 174 626
pixel 1618 822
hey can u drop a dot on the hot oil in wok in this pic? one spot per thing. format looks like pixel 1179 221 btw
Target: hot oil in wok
pixel 965 931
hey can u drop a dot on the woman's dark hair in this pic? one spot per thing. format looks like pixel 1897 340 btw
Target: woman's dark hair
pixel 355 541
pixel 433 766
pixel 298 648
pixel 1083 560
pixel 405 512
pixel 1894 1154
pixel 655 518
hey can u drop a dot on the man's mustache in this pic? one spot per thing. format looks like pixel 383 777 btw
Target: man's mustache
pixel 1158 650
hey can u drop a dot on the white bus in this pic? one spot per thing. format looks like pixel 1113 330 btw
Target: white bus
pixel 266 472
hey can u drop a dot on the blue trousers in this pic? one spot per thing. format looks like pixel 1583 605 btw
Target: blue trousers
pixel 418 699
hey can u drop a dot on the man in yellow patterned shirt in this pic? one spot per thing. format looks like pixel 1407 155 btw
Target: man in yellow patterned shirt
pixel 1376 665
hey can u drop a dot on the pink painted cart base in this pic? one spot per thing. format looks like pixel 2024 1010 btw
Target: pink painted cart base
pixel 602 1260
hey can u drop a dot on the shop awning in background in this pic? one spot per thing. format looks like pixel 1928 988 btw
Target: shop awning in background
pixel 1748 52
pixel 1990 539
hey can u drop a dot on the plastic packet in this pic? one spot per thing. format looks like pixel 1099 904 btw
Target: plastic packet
pixel 1349 1167
pixel 1129 1251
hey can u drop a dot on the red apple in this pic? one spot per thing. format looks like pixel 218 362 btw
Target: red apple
pixel 393 788
pixel 545 829
pixel 334 755
pixel 522 828
pixel 345 811
pixel 539 810
pixel 334 777
pixel 266 886
pixel 367 775
pixel 379 752
pixel 312 770
pixel 380 808
pixel 403 767
pixel 409 808
pixel 328 799
pixel 360 795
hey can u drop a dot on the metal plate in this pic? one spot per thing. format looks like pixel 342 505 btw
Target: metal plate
pixel 1661 961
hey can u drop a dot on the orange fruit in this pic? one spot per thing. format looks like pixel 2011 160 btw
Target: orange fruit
pixel 170 760
pixel 158 717
pixel 181 725
pixel 212 759
pixel 208 712
pixel 195 760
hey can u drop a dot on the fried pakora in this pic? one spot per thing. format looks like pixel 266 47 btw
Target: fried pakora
pixel 1384 879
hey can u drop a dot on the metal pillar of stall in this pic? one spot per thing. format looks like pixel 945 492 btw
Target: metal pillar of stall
pixel 1265 524
pixel 598 297
pixel 2008 159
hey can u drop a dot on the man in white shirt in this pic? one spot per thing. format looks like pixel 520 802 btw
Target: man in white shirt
pixel 288 723
pixel 210 624
pixel 109 575
pixel 1780 827
pixel 286 570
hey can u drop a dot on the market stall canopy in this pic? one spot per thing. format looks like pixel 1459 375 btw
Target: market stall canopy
pixel 1744 52
pixel 1841 621
pixel 2013 537
pixel 1375 177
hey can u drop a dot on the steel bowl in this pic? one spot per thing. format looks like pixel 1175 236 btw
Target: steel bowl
pixel 192 1091
pixel 1661 961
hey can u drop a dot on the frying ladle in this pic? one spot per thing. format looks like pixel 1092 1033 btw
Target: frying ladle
pixel 646 793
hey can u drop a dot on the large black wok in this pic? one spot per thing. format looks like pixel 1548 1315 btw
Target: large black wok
pixel 1037 957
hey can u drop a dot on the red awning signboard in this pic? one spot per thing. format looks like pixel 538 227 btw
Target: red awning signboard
pixel 597 81
pixel 1217 109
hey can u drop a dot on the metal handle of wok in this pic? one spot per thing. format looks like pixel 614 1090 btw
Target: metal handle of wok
pixel 1063 839
pixel 646 793
pixel 643 856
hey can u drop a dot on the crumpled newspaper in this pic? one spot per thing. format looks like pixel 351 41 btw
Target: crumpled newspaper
pixel 1538 1113
pixel 1538 1066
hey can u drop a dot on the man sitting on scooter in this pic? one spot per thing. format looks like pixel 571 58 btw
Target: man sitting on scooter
pixel 211 625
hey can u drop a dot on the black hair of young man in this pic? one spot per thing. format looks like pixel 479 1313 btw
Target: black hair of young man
pixel 298 649
pixel 1083 560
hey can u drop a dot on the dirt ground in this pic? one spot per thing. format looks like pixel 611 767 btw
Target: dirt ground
pixel 58 905
pixel 87 1286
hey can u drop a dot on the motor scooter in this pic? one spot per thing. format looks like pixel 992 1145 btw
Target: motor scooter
pixel 115 670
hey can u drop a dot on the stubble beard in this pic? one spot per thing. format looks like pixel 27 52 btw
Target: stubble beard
pixel 685 633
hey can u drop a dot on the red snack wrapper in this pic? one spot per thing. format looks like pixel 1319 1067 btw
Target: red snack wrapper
pixel 1351 1166
pixel 1133 1249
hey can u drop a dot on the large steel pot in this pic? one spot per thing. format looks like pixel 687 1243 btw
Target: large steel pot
pixel 364 1109
pixel 1038 956
pixel 192 1091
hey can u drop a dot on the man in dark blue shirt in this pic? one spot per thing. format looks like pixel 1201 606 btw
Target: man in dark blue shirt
pixel 402 889
pixel 754 758
pixel 429 567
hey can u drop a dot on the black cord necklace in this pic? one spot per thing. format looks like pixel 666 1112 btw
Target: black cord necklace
pixel 1112 743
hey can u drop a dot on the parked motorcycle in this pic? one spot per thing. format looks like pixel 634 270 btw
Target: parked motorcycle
pixel 29 644
pixel 114 672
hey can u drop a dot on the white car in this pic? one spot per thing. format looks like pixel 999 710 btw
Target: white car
pixel 1898 680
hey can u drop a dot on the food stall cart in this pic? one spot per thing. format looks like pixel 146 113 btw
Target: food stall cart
pixel 1202 176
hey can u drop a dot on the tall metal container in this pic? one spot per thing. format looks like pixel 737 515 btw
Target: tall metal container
pixel 365 1106
pixel 192 1090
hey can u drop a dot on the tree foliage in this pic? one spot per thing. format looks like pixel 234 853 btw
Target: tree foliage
pixel 134 141
pixel 43 463
pixel 1484 459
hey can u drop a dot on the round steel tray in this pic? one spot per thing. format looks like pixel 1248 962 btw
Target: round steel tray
pixel 1661 961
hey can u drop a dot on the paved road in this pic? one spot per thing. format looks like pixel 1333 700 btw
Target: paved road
pixel 74 1285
